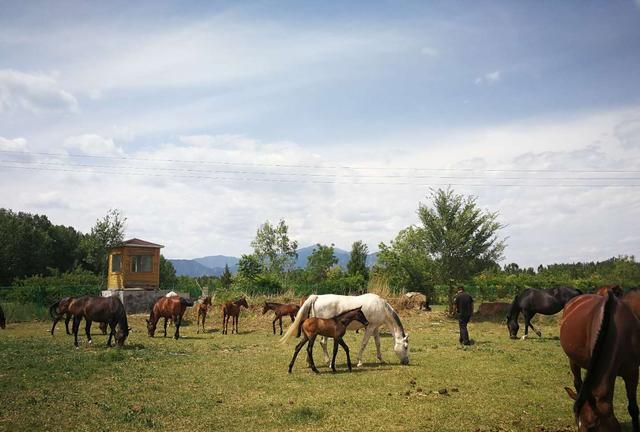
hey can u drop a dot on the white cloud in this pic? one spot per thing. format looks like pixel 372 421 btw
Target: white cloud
pixel 489 78
pixel 15 144
pixel 94 145
pixel 33 92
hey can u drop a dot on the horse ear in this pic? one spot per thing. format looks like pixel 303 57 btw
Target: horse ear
pixel 572 394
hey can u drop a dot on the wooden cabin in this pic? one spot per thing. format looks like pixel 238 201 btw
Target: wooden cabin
pixel 134 264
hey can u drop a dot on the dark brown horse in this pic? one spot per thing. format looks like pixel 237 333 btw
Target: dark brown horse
pixel 232 310
pixel 60 309
pixel 632 299
pixel 601 335
pixel 281 310
pixel 168 308
pixel 102 309
pixel 3 321
pixel 615 289
pixel 334 328
pixel 201 310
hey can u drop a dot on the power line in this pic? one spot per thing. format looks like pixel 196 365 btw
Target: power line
pixel 304 181
pixel 275 165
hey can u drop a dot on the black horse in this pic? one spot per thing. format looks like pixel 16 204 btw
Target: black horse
pixel 101 309
pixel 532 301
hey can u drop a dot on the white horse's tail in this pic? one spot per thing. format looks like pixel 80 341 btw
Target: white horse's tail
pixel 302 314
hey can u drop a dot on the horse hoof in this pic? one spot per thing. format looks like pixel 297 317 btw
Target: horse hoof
pixel 524 337
pixel 359 364
pixel 539 334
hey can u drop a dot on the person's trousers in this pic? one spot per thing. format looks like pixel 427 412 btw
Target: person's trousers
pixel 464 333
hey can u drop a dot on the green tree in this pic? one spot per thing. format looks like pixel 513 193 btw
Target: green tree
pixel 168 279
pixel 320 262
pixel 273 248
pixel 358 260
pixel 107 233
pixel 460 237
pixel 406 262
pixel 226 279
pixel 249 267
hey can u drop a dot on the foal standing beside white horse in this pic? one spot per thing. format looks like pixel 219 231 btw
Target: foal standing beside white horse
pixel 376 309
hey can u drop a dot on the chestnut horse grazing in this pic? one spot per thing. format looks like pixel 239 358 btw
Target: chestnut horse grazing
pixel 168 308
pixel 232 310
pixel 3 321
pixel 60 309
pixel 281 310
pixel 109 310
pixel 201 310
pixel 334 328
pixel 601 335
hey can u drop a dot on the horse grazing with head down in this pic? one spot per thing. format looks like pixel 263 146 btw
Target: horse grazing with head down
pixel 201 311
pixel 334 328
pixel 168 308
pixel 377 311
pixel 232 310
pixel 532 301
pixel 109 310
pixel 602 335
pixel 60 309
pixel 280 310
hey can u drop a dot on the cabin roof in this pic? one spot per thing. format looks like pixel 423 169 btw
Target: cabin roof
pixel 140 243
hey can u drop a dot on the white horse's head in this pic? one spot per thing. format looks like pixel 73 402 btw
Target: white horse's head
pixel 401 348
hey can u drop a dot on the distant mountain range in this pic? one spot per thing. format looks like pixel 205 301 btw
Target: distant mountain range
pixel 214 265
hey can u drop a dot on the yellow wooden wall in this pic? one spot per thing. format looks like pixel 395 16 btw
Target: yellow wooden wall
pixel 128 279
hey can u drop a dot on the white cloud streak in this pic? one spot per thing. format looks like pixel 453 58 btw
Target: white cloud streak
pixel 33 92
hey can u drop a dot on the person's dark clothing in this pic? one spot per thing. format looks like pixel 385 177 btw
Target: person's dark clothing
pixel 464 306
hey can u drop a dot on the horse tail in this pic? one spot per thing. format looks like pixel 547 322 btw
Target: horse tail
pixel 186 302
pixel 302 314
pixel 52 308
pixel 596 353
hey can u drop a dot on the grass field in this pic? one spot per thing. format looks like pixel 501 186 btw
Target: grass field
pixel 240 382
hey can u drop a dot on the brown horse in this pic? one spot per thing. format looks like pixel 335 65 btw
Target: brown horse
pixel 615 289
pixel 168 308
pixel 334 328
pixel 60 309
pixel 632 299
pixel 601 335
pixel 101 309
pixel 232 310
pixel 281 310
pixel 3 321
pixel 201 310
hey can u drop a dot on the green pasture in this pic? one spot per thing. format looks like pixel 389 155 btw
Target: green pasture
pixel 240 382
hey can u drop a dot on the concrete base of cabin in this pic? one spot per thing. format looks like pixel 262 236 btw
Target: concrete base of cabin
pixel 138 300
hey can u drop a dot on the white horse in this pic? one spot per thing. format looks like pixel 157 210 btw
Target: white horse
pixel 376 309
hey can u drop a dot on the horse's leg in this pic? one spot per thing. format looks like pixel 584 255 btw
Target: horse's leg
pixel 273 323
pixel 631 385
pixel 55 321
pixel 323 344
pixel 280 319
pixel 365 339
pixel 527 320
pixel 87 329
pixel 74 328
pixel 312 365
pixel 236 319
pixel 296 351
pixel 335 353
pixel 67 318
pixel 166 320
pixel 346 350
pixel 376 339
pixel 577 375
pixel 204 317
pixel 177 320
pixel 198 322
pixel 112 333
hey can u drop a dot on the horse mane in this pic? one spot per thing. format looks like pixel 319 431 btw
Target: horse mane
pixel 395 317
pixel 596 354
pixel 514 309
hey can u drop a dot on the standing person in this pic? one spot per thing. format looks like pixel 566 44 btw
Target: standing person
pixel 464 308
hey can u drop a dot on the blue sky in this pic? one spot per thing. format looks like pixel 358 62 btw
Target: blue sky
pixel 194 109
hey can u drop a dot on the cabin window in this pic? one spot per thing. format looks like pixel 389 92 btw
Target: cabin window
pixel 141 263
pixel 116 263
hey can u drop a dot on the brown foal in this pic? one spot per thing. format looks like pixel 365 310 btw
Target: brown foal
pixel 334 328
pixel 201 310
pixel 281 310
pixel 232 310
